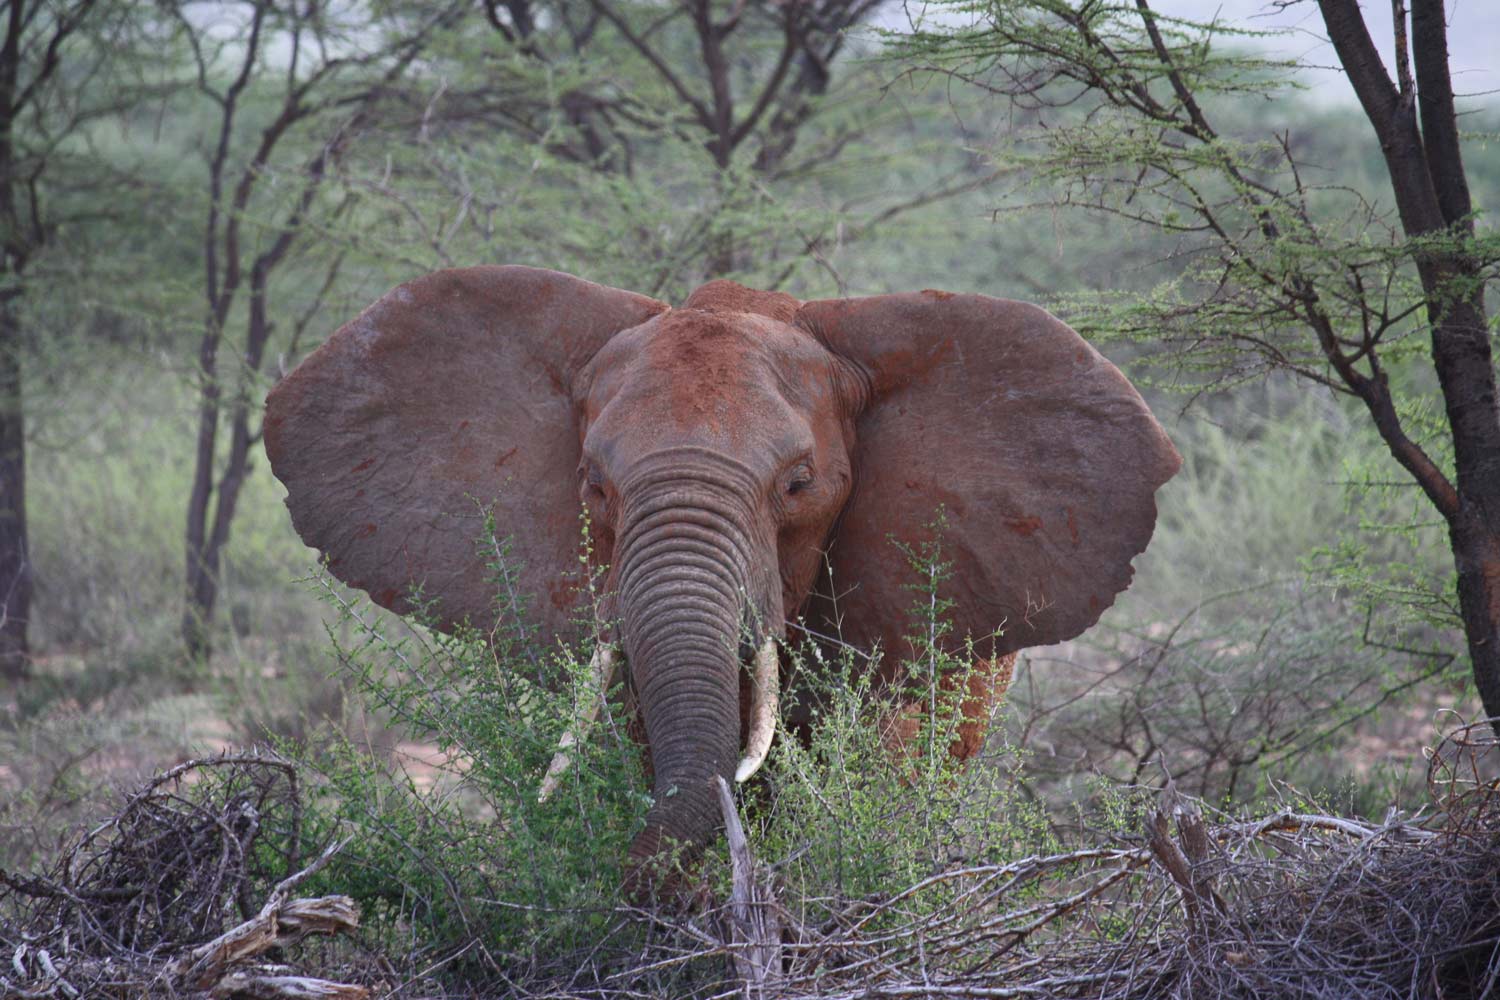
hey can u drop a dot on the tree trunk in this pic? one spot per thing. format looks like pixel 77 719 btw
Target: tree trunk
pixel 1466 372
pixel 205 545
pixel 1419 140
pixel 1476 553
pixel 15 553
pixel 202 570
pixel 15 248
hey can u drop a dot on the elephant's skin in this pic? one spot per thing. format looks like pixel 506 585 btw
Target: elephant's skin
pixel 730 453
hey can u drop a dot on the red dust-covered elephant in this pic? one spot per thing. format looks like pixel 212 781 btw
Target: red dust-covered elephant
pixel 732 453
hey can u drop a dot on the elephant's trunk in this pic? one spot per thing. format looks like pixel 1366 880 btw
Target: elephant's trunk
pixel 684 578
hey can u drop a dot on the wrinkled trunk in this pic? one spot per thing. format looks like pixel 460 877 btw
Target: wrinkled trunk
pixel 682 565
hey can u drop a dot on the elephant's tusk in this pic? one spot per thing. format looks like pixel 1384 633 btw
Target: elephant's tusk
pixel 601 676
pixel 765 696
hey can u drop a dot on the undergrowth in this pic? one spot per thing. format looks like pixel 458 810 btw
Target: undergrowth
pixel 455 858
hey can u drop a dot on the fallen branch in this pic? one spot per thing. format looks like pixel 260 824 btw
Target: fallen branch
pixel 127 910
pixel 278 924
pixel 247 985
pixel 755 927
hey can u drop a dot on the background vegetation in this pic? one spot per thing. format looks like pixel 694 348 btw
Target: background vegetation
pixel 196 194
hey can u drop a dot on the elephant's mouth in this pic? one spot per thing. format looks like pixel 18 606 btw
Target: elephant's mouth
pixel 604 669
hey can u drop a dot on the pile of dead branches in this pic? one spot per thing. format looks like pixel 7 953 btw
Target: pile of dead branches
pixel 1291 905
pixel 185 891
pixel 182 892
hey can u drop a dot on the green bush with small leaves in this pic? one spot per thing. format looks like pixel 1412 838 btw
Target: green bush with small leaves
pixel 457 849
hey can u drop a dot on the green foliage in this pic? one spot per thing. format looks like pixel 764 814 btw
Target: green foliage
pixel 466 851
pixel 452 846
pixel 848 813
pixel 1390 560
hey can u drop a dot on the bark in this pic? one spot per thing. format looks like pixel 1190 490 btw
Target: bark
pixel 753 923
pixel 15 556
pixel 1420 143
pixel 15 248
pixel 1476 553
pixel 202 566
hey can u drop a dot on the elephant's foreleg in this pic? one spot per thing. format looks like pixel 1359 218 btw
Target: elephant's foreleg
pixel 983 687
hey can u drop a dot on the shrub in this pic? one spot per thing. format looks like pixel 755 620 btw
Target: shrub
pixel 466 860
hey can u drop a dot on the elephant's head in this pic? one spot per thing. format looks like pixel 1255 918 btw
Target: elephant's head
pixel 729 452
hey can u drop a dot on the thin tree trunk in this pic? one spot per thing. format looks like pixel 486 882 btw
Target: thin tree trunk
pixel 1466 372
pixel 205 546
pixel 202 567
pixel 15 554
pixel 205 552
pixel 1425 163
pixel 721 127
pixel 15 248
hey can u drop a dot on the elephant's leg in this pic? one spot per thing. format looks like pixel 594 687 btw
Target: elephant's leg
pixel 983 687
pixel 986 686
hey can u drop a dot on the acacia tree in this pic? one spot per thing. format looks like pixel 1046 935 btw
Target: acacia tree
pixel 741 74
pixel 652 144
pixel 290 94
pixel 1282 272
pixel 737 82
pixel 62 67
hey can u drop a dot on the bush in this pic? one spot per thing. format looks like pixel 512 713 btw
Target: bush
pixel 454 854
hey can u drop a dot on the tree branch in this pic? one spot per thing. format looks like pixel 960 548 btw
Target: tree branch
pixel 652 57
pixel 1395 125
pixel 1445 161
pixel 1405 88
pixel 773 86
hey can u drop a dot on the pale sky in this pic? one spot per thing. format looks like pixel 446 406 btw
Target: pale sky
pixel 1473 37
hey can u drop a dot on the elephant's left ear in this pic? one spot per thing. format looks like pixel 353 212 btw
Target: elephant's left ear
pixel 1043 459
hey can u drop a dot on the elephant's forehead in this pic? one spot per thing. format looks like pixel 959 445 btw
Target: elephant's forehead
pixel 690 343
pixel 702 351
pixel 728 378
pixel 688 352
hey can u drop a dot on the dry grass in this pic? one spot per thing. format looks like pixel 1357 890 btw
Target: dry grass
pixel 1293 904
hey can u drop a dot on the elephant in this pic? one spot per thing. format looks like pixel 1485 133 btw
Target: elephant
pixel 740 458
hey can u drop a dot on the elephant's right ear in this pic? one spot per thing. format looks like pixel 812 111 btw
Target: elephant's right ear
pixel 451 393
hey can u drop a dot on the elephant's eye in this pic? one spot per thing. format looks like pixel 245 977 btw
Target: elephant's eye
pixel 594 480
pixel 800 480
